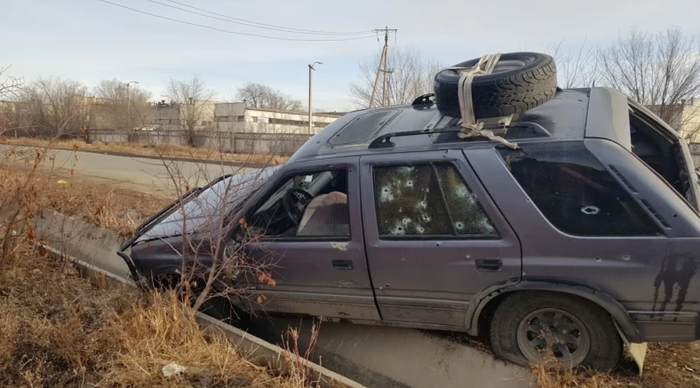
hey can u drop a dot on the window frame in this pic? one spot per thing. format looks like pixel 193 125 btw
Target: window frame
pixel 284 178
pixel 432 163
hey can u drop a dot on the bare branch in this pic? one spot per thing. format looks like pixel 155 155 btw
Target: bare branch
pixel 262 96
pixel 196 106
pixel 9 85
pixel 576 66
pixel 53 107
pixel 662 71
pixel 117 107
pixel 411 76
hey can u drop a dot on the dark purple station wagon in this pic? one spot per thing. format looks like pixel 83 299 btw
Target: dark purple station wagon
pixel 585 237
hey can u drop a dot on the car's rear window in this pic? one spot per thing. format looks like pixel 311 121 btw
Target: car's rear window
pixel 576 193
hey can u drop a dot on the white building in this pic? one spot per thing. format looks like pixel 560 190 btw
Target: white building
pixel 238 117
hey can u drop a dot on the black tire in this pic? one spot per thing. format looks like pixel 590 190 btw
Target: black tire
pixel 520 81
pixel 605 343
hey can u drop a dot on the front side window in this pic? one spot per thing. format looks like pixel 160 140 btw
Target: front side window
pixel 576 193
pixel 305 205
pixel 427 200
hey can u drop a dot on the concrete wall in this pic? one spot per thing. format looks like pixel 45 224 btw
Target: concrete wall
pixel 695 152
pixel 229 109
pixel 234 142
pixel 691 121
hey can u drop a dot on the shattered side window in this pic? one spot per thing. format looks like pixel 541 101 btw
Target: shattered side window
pixel 576 193
pixel 427 200
pixel 466 212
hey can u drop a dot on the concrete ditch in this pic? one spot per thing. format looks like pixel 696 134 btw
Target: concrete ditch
pixel 349 355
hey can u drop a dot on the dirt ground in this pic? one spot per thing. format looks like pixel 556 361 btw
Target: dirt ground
pixel 91 332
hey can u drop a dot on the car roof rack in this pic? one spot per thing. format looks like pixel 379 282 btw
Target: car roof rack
pixel 384 141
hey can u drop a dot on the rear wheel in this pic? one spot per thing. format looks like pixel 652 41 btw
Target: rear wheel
pixel 533 327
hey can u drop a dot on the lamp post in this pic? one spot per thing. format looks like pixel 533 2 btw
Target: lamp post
pixel 128 106
pixel 311 69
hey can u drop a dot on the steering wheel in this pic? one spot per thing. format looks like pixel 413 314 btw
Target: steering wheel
pixel 295 201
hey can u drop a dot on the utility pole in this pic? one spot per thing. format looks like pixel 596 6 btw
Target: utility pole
pixel 383 67
pixel 128 106
pixel 311 70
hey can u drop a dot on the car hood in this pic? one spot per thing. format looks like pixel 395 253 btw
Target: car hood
pixel 206 208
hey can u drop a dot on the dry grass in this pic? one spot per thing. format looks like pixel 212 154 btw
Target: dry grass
pixel 668 365
pixel 113 208
pixel 166 150
pixel 118 209
pixel 92 332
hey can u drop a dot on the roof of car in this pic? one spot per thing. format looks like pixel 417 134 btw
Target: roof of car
pixel 564 117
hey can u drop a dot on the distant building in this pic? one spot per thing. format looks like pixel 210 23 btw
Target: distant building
pixel 238 117
pixel 217 116
pixel 684 118
pixel 174 116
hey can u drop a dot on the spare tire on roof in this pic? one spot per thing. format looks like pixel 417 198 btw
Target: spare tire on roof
pixel 520 81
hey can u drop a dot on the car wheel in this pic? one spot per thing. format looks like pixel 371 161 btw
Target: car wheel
pixel 520 81
pixel 531 327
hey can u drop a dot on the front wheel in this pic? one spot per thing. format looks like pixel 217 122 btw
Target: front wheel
pixel 533 327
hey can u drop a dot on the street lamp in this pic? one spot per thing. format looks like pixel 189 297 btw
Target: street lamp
pixel 311 69
pixel 128 104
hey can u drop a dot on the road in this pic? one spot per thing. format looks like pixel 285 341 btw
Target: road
pixel 147 175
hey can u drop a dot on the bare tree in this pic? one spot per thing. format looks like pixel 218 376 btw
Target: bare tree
pixel 411 75
pixel 662 71
pixel 55 106
pixel 9 85
pixel 114 108
pixel 10 117
pixel 263 96
pixel 196 107
pixel 576 65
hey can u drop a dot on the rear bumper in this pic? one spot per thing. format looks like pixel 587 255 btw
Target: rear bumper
pixel 657 326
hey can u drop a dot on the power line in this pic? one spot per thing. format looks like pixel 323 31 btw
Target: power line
pixel 255 24
pixel 231 32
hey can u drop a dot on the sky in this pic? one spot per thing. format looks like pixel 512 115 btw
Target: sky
pixel 90 40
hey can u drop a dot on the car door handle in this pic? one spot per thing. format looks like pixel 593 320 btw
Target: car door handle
pixel 343 265
pixel 489 265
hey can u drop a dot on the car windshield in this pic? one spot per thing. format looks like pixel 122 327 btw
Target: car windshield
pixel 220 199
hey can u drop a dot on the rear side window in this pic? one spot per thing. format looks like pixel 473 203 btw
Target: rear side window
pixel 575 192
pixel 427 200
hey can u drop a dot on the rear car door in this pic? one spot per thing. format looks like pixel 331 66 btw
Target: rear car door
pixel 434 238
pixel 319 268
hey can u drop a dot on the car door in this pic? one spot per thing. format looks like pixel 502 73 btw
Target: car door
pixel 434 238
pixel 318 275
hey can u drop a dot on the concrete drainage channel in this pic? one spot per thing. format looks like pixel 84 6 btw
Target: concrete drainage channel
pixel 372 356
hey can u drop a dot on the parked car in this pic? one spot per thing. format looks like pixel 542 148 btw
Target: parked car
pixel 584 236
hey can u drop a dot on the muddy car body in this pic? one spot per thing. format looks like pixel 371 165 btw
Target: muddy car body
pixel 590 226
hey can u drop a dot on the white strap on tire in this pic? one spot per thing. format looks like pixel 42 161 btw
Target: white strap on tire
pixel 470 126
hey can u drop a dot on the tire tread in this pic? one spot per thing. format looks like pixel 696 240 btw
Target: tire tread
pixel 512 94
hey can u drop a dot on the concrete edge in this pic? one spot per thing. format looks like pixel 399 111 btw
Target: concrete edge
pixel 263 351
pixel 87 266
